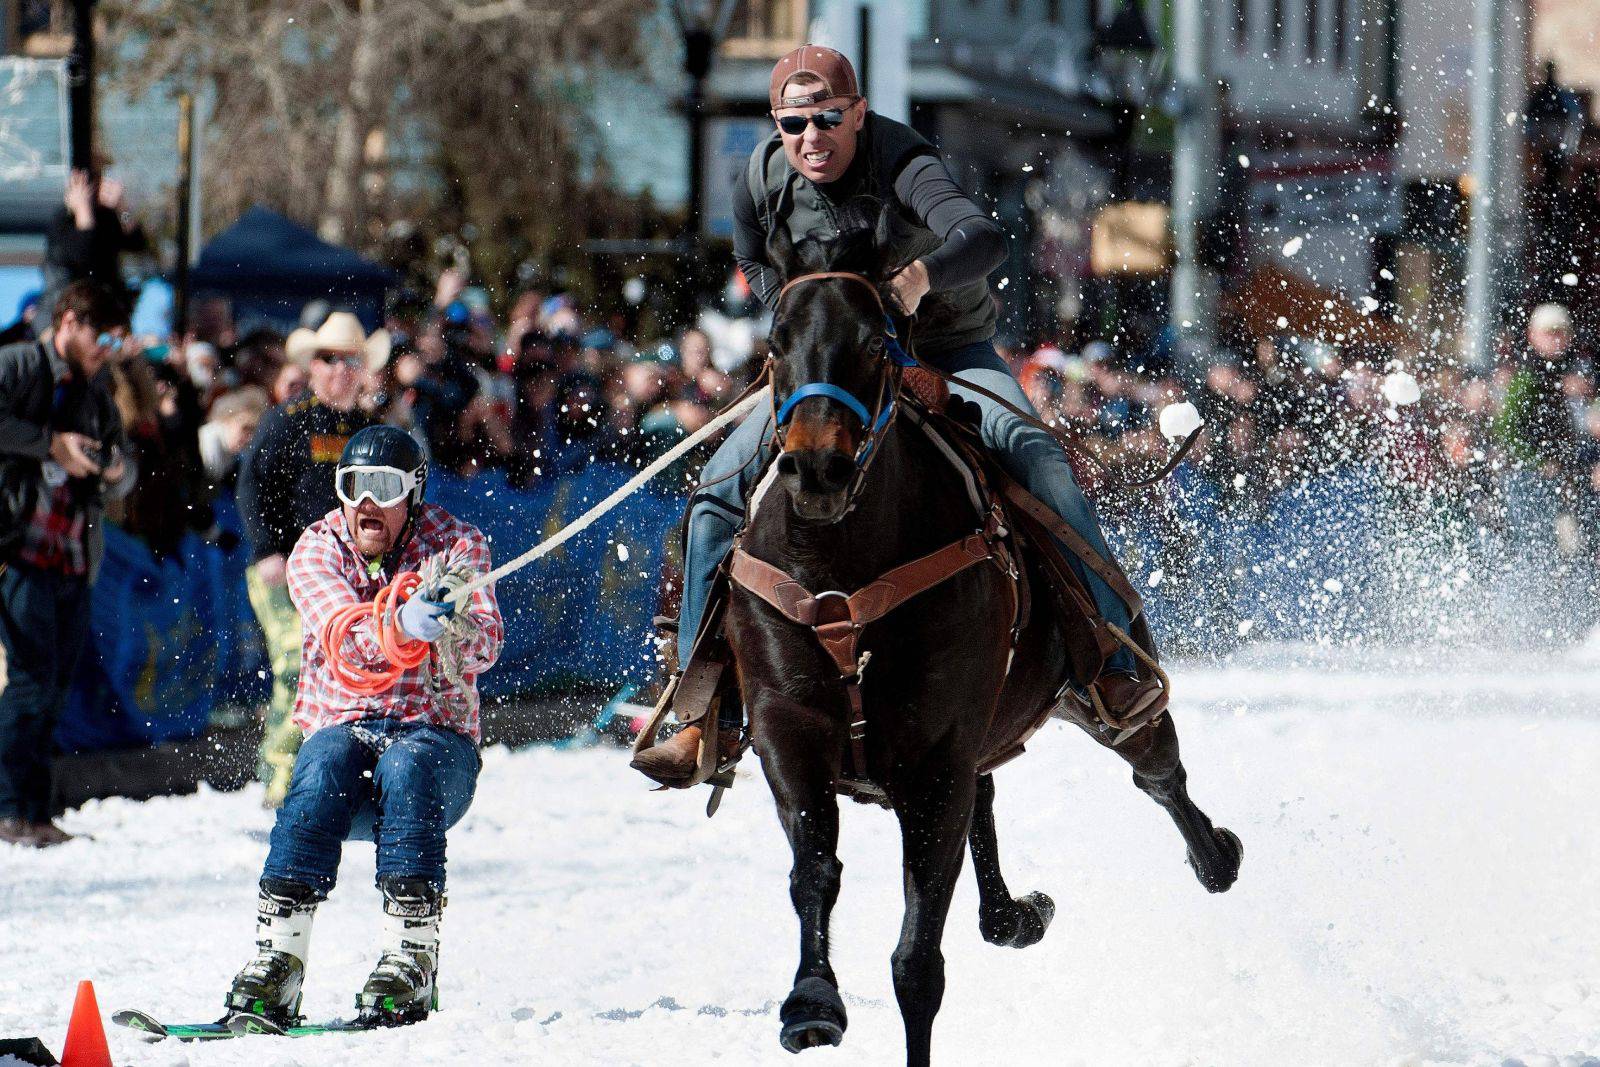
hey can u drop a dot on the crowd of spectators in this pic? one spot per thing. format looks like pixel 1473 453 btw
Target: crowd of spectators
pixel 1283 411
pixel 537 396
pixel 549 389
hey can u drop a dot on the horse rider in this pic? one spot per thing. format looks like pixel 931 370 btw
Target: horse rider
pixel 828 148
pixel 397 765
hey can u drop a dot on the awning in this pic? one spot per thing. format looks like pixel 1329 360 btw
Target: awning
pixel 1271 293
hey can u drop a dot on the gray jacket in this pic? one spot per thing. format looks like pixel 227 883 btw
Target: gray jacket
pixel 39 397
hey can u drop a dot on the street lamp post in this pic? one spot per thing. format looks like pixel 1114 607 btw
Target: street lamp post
pixel 1124 56
pixel 80 85
pixel 1125 78
pixel 701 23
pixel 1553 121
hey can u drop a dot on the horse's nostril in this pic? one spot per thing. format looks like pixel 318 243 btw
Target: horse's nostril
pixel 788 466
pixel 838 469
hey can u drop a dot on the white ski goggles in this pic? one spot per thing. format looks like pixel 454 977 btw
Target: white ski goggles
pixel 385 486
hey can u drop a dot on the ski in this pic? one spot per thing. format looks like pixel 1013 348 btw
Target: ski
pixel 235 1024
pixel 246 1024
pixel 150 1026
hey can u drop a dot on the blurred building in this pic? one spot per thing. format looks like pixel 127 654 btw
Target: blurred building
pixel 138 137
pixel 33 135
pixel 1311 135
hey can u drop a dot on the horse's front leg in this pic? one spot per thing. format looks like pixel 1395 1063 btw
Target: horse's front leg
pixel 935 809
pixel 800 749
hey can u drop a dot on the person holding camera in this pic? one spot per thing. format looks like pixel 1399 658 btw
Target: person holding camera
pixel 62 455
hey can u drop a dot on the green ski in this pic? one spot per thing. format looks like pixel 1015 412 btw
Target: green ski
pixel 151 1027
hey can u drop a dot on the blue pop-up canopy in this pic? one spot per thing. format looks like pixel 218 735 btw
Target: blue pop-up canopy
pixel 270 266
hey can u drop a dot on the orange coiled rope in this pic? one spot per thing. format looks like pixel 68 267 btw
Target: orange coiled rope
pixel 402 652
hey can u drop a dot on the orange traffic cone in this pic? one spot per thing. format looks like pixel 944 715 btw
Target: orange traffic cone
pixel 86 1038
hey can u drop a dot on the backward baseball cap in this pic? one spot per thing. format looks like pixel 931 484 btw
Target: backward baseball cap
pixel 831 68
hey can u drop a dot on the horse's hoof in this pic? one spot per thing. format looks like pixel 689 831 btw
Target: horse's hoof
pixel 1218 877
pixel 1020 925
pixel 812 1016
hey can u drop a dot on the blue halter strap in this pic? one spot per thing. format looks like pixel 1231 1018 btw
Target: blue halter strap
pixel 833 392
pixel 896 355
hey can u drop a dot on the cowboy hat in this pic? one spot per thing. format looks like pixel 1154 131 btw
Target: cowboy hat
pixel 377 350
pixel 299 345
pixel 341 333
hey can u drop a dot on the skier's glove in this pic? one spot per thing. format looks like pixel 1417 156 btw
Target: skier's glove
pixel 423 619
pixel 446 587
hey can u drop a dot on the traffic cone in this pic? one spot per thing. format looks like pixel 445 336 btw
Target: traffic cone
pixel 86 1037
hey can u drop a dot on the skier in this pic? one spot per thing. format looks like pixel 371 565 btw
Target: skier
pixel 397 766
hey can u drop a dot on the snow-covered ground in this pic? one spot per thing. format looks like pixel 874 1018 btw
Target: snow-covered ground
pixel 1421 886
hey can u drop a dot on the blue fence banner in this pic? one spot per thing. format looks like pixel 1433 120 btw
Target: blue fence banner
pixel 173 639
pixel 1338 559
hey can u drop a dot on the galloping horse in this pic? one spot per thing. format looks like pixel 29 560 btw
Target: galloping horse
pixel 858 494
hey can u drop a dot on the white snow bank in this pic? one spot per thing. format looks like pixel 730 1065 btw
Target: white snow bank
pixel 1418 887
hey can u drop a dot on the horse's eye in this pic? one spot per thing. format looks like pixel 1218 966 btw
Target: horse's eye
pixel 875 346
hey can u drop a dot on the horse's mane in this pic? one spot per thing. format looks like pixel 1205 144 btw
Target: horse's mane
pixel 867 226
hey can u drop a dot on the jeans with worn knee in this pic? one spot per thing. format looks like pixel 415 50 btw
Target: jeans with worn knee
pixel 1032 456
pixel 400 784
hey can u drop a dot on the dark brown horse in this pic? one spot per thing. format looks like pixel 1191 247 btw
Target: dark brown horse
pixel 938 690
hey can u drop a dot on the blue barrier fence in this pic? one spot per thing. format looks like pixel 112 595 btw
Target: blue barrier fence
pixel 172 639
pixel 1337 559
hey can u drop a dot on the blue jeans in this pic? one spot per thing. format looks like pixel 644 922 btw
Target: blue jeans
pixel 44 621
pixel 401 784
pixel 1029 454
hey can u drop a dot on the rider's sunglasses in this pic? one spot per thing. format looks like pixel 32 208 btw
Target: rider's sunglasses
pixel 830 118
pixel 111 342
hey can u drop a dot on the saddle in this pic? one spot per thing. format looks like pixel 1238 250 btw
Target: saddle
pixel 1015 531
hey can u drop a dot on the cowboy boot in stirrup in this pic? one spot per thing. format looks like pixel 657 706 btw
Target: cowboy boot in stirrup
pixel 674 760
pixel 1129 700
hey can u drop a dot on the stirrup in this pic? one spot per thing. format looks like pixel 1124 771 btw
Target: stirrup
pixel 1151 714
pixel 705 767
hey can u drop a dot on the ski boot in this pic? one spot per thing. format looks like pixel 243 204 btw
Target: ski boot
pixel 270 984
pixel 401 988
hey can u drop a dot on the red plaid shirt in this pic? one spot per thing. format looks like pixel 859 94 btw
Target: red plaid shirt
pixel 326 573
pixel 54 539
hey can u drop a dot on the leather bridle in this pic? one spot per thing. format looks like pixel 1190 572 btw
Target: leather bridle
pixel 876 421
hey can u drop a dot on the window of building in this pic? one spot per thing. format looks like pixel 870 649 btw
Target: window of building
pixel 1052 10
pixel 1241 25
pixel 36 27
pixel 766 27
pixel 1313 29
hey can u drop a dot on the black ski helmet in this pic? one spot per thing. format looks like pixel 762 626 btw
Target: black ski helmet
pixel 388 446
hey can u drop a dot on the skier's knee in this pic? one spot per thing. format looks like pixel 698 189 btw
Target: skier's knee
pixel 293 893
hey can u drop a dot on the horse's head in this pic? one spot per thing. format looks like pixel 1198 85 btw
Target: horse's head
pixel 833 385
